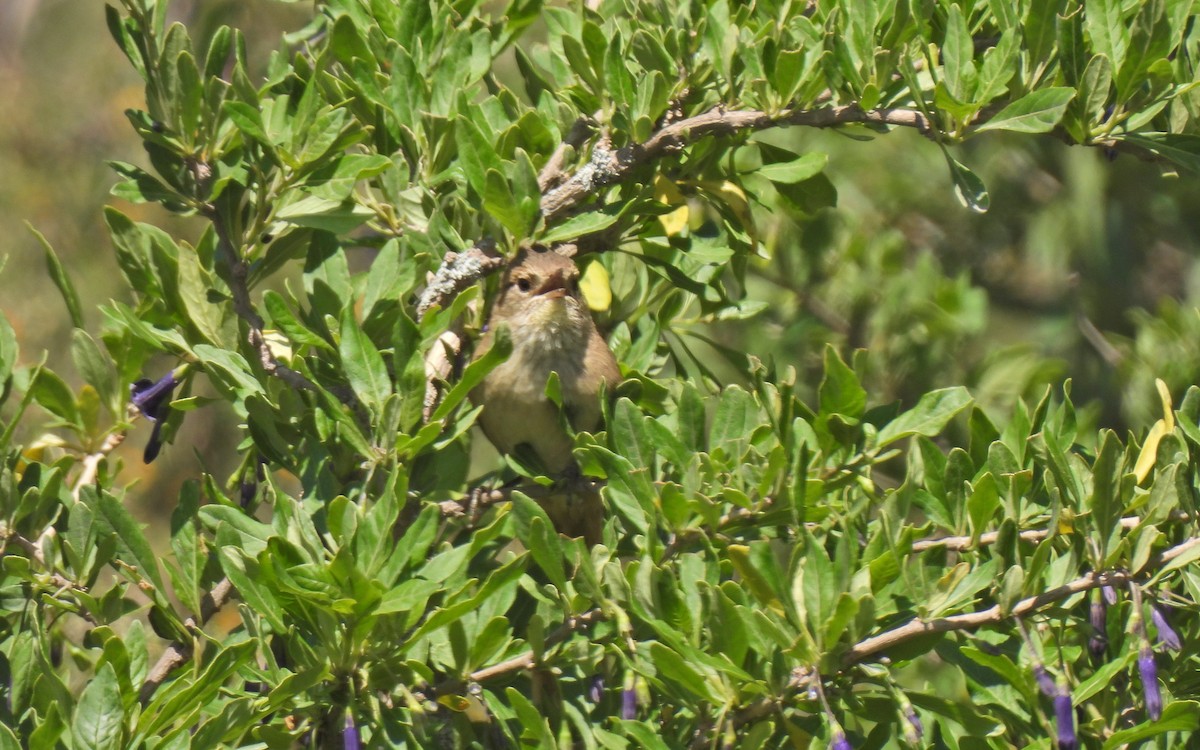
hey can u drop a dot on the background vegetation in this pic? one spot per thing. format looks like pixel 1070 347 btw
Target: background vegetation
pixel 753 557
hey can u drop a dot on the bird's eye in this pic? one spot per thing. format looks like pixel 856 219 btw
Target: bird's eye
pixel 523 285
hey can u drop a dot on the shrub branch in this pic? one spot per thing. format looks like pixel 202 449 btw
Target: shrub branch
pixel 178 652
pixel 236 273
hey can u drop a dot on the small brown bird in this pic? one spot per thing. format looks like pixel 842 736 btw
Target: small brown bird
pixel 551 331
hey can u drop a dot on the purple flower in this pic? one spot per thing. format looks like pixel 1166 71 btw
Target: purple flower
pixel 1045 681
pixel 839 741
pixel 629 703
pixel 1167 635
pixel 1098 643
pixel 914 730
pixel 350 737
pixel 1149 673
pixel 596 689
pixel 1064 714
pixel 153 401
pixel 1110 595
pixel 248 489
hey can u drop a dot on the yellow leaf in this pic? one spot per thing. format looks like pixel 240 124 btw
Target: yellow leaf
pixel 594 284
pixel 675 222
pixel 1164 393
pixel 279 345
pixel 735 198
pixel 666 192
pixel 1149 454
pixel 1066 521
pixel 476 710
pixel 456 703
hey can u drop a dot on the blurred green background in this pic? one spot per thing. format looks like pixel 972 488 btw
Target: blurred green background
pixel 1084 268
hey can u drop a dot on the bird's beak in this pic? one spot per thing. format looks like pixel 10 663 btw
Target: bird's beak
pixel 554 287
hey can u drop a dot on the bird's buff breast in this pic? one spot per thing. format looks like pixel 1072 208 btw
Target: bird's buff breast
pixel 517 409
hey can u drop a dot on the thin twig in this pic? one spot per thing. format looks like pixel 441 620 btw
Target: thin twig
pixel 237 271
pixel 960 543
pixel 1093 335
pixel 91 462
pixel 552 173
pixel 968 621
pixel 439 363
pixel 528 659
pixel 973 620
pixel 480 498
pixel 457 272
pixel 608 167
pixel 178 653
pixel 34 552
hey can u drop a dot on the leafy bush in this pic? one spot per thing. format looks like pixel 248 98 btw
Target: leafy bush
pixel 783 563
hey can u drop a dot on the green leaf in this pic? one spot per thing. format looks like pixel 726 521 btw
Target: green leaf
pixel 969 189
pixel 691 418
pixel 338 217
pixel 55 396
pixel 230 369
pixel 61 280
pixel 93 364
pixel 1094 90
pixel 982 504
pixel 473 375
pixel 245 576
pixel 628 434
pixel 8 740
pixel 476 154
pixel 798 170
pixel 362 362
pixel 194 288
pixel 1041 31
pixel 1036 112
pixel 9 351
pixel 533 722
pixel 131 542
pixel 1179 716
pixel 536 532
pixel 617 79
pixel 929 417
pixel 643 736
pixel 630 490
pixel 1108 32
pixel 685 674
pixel 762 582
pixel 168 706
pixel 1102 678
pixel 248 119
pixel 99 716
pixel 578 226
pixel 735 419
pixel 283 319
pixel 958 51
pixel 502 579
pixel 1180 149
pixel 840 392
pixel 348 171
pixel 1190 555
pixel 499 201
pixel 1105 503
pixel 140 186
pixel 1150 40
